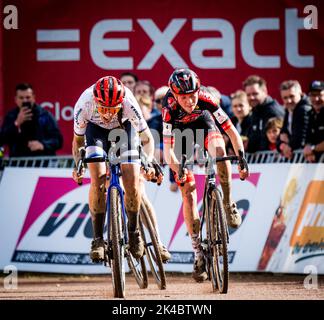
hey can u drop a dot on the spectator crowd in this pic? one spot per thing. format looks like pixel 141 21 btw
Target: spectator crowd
pixel 263 123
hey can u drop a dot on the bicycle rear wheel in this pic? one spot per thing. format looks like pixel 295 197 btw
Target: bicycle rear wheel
pixel 116 241
pixel 219 235
pixel 152 251
pixel 138 268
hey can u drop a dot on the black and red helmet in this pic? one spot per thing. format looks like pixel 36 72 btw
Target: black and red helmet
pixel 108 92
pixel 184 81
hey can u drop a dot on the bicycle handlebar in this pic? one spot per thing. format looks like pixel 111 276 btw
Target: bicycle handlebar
pixel 231 158
pixel 146 165
pixel 144 162
pixel 242 162
pixel 240 158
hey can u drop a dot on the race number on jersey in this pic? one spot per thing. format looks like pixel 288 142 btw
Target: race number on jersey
pixel 220 116
pixel 167 129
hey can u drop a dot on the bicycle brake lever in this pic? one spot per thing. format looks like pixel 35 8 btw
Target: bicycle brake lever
pixel 181 168
pixel 80 164
pixel 79 170
pixel 158 171
pixel 242 162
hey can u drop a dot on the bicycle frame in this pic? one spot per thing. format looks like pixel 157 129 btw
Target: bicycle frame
pixel 210 180
pixel 115 173
pixel 216 229
pixel 117 242
pixel 210 183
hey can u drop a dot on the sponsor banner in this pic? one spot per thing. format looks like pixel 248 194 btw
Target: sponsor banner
pixel 63 54
pixel 253 201
pixel 296 236
pixel 45 222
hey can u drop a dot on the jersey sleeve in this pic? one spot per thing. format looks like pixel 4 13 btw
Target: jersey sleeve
pixel 168 135
pixel 80 116
pixel 133 112
pixel 222 118
pixel 212 104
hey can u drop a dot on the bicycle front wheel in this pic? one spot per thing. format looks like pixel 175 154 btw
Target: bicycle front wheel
pixel 219 235
pixel 116 242
pixel 152 251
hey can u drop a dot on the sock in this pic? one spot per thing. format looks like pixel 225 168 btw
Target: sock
pixel 132 221
pixel 195 241
pixel 226 187
pixel 225 181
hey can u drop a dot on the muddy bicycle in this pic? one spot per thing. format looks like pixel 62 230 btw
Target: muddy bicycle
pixel 150 238
pixel 214 235
pixel 117 237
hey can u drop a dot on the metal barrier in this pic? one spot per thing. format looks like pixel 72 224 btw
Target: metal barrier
pixel 275 157
pixel 68 162
pixel 39 162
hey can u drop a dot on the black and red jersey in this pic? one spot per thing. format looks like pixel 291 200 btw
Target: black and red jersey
pixel 174 116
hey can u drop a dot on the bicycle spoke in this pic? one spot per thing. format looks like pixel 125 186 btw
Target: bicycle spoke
pixel 218 244
pixel 152 252
pixel 117 244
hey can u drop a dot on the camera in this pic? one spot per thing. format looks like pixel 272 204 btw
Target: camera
pixel 27 104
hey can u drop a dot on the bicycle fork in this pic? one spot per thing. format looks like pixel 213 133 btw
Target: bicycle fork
pixel 207 242
pixel 114 183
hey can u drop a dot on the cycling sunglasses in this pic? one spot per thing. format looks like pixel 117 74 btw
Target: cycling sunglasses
pixel 108 110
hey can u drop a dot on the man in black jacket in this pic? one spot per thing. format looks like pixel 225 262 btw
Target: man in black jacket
pixel 29 130
pixel 296 127
pixel 263 108
pixel 314 147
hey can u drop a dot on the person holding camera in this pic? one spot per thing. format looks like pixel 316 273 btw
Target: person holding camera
pixel 30 130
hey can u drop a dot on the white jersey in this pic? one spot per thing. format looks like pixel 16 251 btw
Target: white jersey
pixel 85 111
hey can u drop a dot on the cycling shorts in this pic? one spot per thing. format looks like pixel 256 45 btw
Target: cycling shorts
pixel 127 141
pixel 201 132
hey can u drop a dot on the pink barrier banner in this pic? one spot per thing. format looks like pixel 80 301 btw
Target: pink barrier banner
pixel 62 47
pixel 49 229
